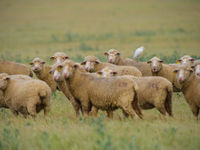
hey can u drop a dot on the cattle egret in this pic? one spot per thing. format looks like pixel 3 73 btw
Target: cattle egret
pixel 138 52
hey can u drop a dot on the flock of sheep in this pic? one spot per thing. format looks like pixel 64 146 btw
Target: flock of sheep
pixel 92 85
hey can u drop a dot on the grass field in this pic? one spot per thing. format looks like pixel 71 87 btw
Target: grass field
pixel 168 29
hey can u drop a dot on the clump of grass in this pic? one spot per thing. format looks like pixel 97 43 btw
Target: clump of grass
pixel 78 58
pixel 9 138
pixel 84 47
pixel 54 38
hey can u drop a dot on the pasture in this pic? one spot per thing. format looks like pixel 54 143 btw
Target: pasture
pixel 168 29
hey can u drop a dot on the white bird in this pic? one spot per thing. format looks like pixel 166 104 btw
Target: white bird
pixel 138 52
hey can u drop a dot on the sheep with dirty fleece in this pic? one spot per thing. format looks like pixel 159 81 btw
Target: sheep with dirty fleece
pixel 164 70
pixel 59 57
pixel 196 67
pixel 61 84
pixel 113 57
pixel 186 60
pixel 42 72
pixel 103 93
pixel 190 87
pixel 152 92
pixel 12 68
pixel 92 64
pixel 25 96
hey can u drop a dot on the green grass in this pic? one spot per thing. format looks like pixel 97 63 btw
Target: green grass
pixel 168 29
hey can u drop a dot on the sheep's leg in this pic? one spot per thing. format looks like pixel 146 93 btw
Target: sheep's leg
pixel 85 106
pixel 109 114
pixel 125 114
pixel 46 109
pixel 94 111
pixel 195 110
pixel 15 113
pixel 76 106
pixel 129 110
pixel 32 109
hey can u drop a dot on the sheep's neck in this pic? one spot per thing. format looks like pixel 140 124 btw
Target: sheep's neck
pixel 188 83
pixel 120 61
pixel 99 66
pixel 44 73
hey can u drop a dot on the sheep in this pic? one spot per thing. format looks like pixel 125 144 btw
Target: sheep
pixel 190 87
pixel 185 60
pixel 25 96
pixel 152 92
pixel 113 57
pixel 103 93
pixel 196 67
pixel 42 72
pixel 12 68
pixel 164 70
pixel 59 57
pixel 19 76
pixel 92 64
pixel 61 84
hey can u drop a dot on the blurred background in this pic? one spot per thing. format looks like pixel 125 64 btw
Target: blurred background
pixel 167 29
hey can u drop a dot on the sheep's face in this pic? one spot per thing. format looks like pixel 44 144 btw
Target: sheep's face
pixel 185 60
pixel 106 72
pixel 58 73
pixel 197 70
pixel 155 64
pixel 37 65
pixel 59 57
pixel 68 70
pixel 113 56
pixel 90 65
pixel 4 78
pixel 183 74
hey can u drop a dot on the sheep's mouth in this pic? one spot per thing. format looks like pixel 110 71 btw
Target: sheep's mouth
pixel 36 70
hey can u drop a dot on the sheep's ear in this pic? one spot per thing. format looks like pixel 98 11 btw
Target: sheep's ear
pixel 43 62
pixel 178 61
pixel 97 62
pixel 52 58
pixel 50 71
pixel 76 66
pixel 148 62
pixel 106 54
pixel 114 73
pixel 192 60
pixel 83 63
pixel 161 61
pixel 118 54
pixel 193 66
pixel 190 70
pixel 31 63
pixel 175 71
pixel 6 78
pixel 66 57
pixel 59 68
pixel 99 73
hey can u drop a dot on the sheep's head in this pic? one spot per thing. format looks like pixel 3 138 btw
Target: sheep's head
pixel 185 60
pixel 4 78
pixel 107 72
pixel 196 68
pixel 90 63
pixel 37 65
pixel 183 73
pixel 59 57
pixel 155 64
pixel 113 56
pixel 65 70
